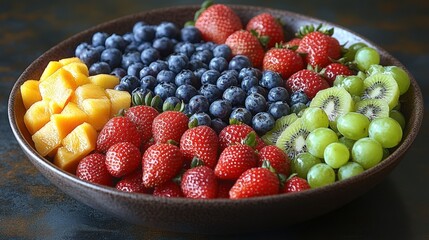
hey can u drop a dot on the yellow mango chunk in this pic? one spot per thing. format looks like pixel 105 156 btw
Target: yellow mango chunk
pixel 58 87
pixel 30 93
pixel 104 80
pixel 52 67
pixel 66 61
pixel 68 119
pixel 47 139
pixel 79 71
pixel 98 111
pixel 119 100
pixel 88 91
pixel 37 116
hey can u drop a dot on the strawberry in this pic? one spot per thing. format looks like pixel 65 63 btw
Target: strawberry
pixel 333 70
pixel 142 116
pixel 236 133
pixel 320 48
pixel 282 60
pixel 122 159
pixel 267 26
pixel 92 168
pixel 161 162
pixel 168 189
pixel 118 129
pixel 199 182
pixel 293 43
pixel 234 160
pixel 243 42
pixel 276 157
pixel 217 22
pixel 295 184
pixel 223 188
pixel 132 183
pixel 308 81
pixel 255 182
pixel 146 145
pixel 169 125
pixel 201 142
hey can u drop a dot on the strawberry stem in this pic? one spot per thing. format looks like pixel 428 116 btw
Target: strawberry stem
pixel 196 162
pixel 250 139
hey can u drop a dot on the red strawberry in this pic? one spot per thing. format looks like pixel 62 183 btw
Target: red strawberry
pixel 255 182
pixel 169 125
pixel 295 184
pixel 122 158
pixel 217 22
pixel 92 168
pixel 276 157
pixel 266 25
pixel 333 70
pixel 236 133
pixel 223 188
pixel 201 142
pixel 235 160
pixel 308 81
pixel 320 49
pixel 284 61
pixel 168 189
pixel 199 182
pixel 294 42
pixel 146 145
pixel 132 183
pixel 243 42
pixel 118 129
pixel 142 116
pixel 161 162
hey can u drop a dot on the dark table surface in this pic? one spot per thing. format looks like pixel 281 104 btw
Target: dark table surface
pixel 32 208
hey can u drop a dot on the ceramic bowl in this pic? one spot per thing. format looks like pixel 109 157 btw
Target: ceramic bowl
pixel 218 215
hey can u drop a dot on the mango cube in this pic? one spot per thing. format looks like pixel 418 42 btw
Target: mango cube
pixel 68 119
pixel 119 100
pixel 79 71
pixel 88 91
pixel 30 93
pixel 47 139
pixel 58 87
pixel 66 61
pixel 104 80
pixel 37 116
pixel 98 111
pixel 52 67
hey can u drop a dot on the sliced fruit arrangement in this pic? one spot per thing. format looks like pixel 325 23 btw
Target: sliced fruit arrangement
pixel 217 109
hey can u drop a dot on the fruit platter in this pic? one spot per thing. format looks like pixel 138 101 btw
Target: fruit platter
pixel 205 118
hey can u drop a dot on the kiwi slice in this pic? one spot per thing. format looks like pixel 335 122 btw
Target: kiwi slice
pixel 292 139
pixel 381 86
pixel 373 108
pixel 335 101
pixel 281 124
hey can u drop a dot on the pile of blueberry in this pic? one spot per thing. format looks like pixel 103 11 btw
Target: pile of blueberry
pixel 178 66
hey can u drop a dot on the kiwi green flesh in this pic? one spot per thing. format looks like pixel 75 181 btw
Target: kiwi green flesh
pixel 281 124
pixel 373 108
pixel 381 86
pixel 335 101
pixel 292 139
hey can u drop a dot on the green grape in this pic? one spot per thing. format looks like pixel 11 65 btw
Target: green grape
pixel 353 125
pixel 351 51
pixel 338 80
pixel 347 141
pixel 367 152
pixel 362 75
pixel 353 85
pixel 386 153
pixel 315 117
pixel 375 68
pixel 400 76
pixel 336 155
pixel 303 162
pixel 320 175
pixel 386 131
pixel 399 117
pixel 365 57
pixel 348 170
pixel 318 139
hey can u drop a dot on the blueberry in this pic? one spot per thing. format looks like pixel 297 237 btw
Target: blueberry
pixel 218 124
pixel 135 68
pixel 99 68
pixel 258 89
pixel 148 82
pixel 211 92
pixel 119 72
pixel 248 82
pixel 255 103
pixel 210 76
pixel 232 73
pixel 201 119
pixel 278 94
pixel 198 103
pixel 262 122
pixel 177 62
pixel 249 71
pixel 143 46
pixel 220 109
pixel 131 82
pixel 279 109
pixel 168 30
pixel 129 38
pixel 205 46
pixel 185 48
pixel 271 79
pixel 199 72
pixel 130 58
pixel 164 45
pixel 99 38
pixel 235 95
pixel 222 50
pixel 142 91
pixel 132 47
pixel 89 55
pixel 165 90
pixel 122 87
pixel 80 48
pixel 190 34
pixel 196 64
pixel 238 62
pixel 112 56
pixel 203 55
pixel 186 77
pixel 143 32
pixel 147 71
pixel 242 115
pixel 219 64
pixel 298 97
pixel 225 81
pixel 158 66
pixel 186 92
pixel 165 76
pixel 116 41
pixel 172 101
pixel 298 107
pixel 149 55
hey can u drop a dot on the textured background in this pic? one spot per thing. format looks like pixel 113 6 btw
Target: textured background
pixel 32 208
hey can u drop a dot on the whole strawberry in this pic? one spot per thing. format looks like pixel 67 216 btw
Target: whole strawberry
pixel 142 116
pixel 293 43
pixel 132 183
pixel 234 160
pixel 267 26
pixel 243 42
pixel 295 184
pixel 255 182
pixel 201 142
pixel 277 158
pixel 223 188
pixel 217 22
pixel 118 129
pixel 161 162
pixel 284 61
pixel 236 133
pixel 168 189
pixel 169 125
pixel 333 70
pixel 199 182
pixel 122 158
pixel 308 81
pixel 92 168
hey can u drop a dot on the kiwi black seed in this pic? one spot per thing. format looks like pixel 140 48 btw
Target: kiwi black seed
pixel 335 101
pixel 292 139
pixel 372 108
pixel 381 86
pixel 281 124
